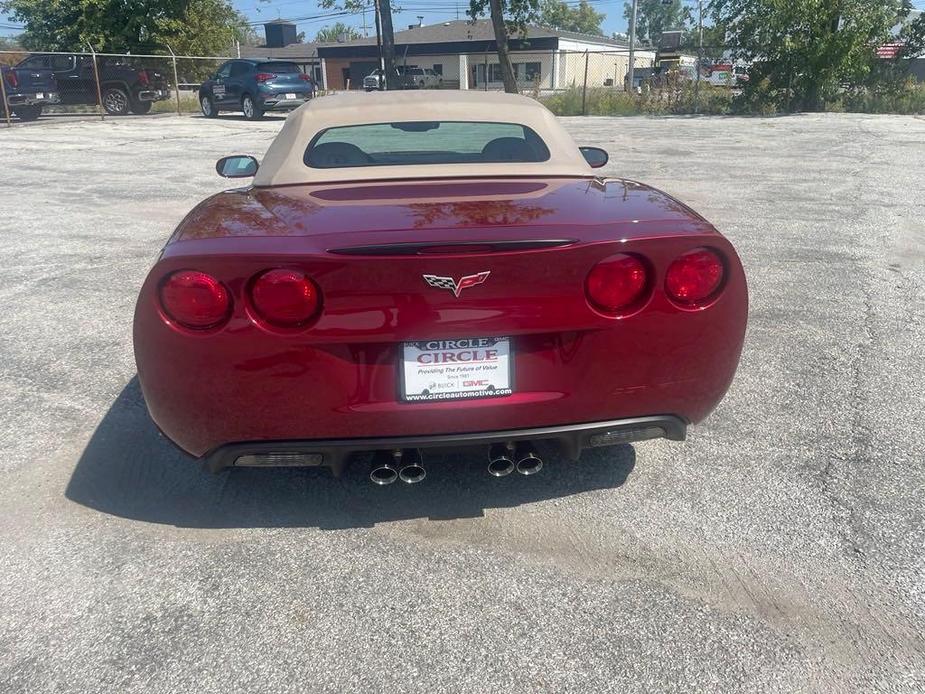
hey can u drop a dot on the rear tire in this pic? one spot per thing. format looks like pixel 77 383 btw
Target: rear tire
pixel 27 113
pixel 250 108
pixel 140 108
pixel 207 104
pixel 116 101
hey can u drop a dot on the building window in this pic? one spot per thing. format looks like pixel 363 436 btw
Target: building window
pixel 438 69
pixel 494 73
pixel 527 72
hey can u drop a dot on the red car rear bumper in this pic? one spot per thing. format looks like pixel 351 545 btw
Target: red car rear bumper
pixel 571 439
pixel 338 379
pixel 243 384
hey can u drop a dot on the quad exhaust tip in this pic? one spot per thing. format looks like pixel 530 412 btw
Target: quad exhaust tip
pixel 408 465
pixel 389 466
pixel 411 468
pixel 501 460
pixel 528 462
pixel 505 458
pixel 383 470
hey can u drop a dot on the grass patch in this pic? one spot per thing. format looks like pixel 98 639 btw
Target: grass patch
pixel 189 103
pixel 907 100
pixel 605 101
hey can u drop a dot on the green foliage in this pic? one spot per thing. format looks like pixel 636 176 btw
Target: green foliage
pixel 584 19
pixel 517 13
pixel 8 43
pixel 714 40
pixel 912 33
pixel 202 27
pixel 908 99
pixel 677 98
pixel 806 53
pixel 654 16
pixel 334 33
pixel 206 27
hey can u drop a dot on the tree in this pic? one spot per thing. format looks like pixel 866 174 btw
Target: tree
pixel 911 33
pixel 804 53
pixel 584 19
pixel 714 38
pixel 655 16
pixel 507 17
pixel 206 27
pixel 383 24
pixel 137 26
pixel 10 43
pixel 337 32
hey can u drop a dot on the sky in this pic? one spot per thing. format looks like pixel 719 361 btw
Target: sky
pixel 310 17
pixel 433 11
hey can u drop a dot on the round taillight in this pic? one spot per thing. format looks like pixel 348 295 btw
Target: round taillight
pixel 195 300
pixel 694 277
pixel 616 283
pixel 285 298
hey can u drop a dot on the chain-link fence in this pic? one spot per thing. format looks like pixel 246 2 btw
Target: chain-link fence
pixel 46 84
pixel 591 81
pixel 49 83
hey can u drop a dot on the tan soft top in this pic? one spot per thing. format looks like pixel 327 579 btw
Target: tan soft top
pixel 283 165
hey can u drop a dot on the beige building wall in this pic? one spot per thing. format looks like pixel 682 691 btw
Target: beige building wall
pixel 476 63
pixel 602 67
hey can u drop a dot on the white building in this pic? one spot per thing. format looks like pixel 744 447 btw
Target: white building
pixel 464 53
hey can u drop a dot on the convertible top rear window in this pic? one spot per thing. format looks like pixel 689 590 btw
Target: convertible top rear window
pixel 424 142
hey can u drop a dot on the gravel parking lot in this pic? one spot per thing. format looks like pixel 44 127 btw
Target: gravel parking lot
pixel 781 548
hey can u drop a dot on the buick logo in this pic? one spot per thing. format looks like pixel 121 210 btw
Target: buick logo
pixel 453 285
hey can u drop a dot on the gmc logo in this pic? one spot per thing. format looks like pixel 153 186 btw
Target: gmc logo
pixel 468 384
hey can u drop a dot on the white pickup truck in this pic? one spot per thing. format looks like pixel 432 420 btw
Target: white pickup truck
pixel 406 77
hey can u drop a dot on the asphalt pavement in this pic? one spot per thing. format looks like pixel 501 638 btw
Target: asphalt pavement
pixel 781 548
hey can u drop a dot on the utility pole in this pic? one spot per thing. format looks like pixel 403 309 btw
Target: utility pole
pixel 630 76
pixel 699 57
pixel 379 40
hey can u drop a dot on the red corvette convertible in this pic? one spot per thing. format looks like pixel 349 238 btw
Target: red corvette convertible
pixel 409 273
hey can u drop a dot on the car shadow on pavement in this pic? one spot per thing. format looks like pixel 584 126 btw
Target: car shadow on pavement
pixel 129 469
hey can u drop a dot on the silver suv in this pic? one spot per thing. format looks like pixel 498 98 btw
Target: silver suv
pixel 422 78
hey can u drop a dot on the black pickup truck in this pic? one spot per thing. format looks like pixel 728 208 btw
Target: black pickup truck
pixel 125 86
pixel 27 91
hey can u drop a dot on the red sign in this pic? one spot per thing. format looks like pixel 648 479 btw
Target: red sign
pixel 889 50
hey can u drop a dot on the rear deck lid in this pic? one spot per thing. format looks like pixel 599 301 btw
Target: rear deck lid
pixel 346 218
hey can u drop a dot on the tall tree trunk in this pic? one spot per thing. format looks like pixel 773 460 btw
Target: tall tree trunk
pixel 504 57
pixel 388 43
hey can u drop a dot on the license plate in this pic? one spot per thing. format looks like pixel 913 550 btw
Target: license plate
pixel 40 95
pixel 456 369
pixel 290 96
